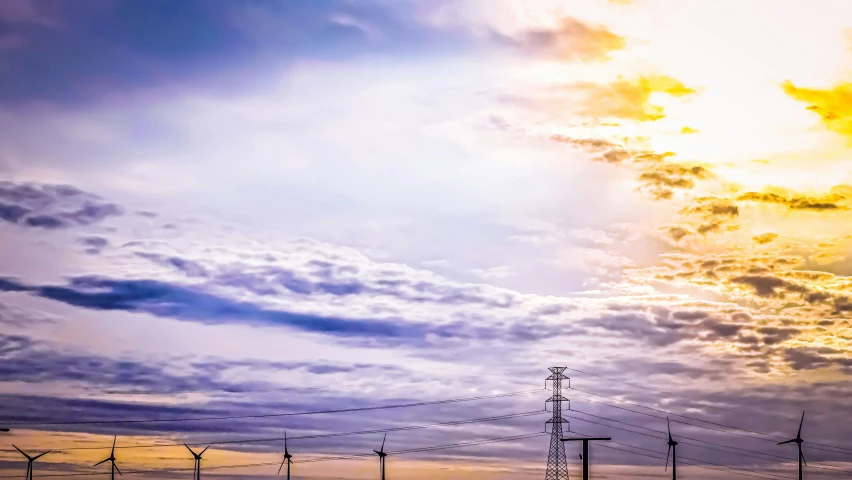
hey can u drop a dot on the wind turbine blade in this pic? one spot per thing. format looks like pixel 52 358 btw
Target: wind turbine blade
pixel 799 435
pixel 285 442
pixel 190 450
pixel 803 458
pixel 42 454
pixel 205 449
pixel 383 442
pixel 22 452
pixel 788 441
pixel 114 438
pixel 282 466
pixel 116 468
pixel 102 461
pixel 668 452
pixel 669 425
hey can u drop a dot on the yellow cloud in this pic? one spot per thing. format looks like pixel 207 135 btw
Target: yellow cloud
pixel 630 98
pixel 837 199
pixel 834 106
pixel 764 238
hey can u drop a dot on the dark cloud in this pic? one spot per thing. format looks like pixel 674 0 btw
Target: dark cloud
pixel 769 286
pixel 52 206
pixel 570 40
pixel 194 304
pixel 814 358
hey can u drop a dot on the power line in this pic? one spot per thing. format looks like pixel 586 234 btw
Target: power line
pixel 702 462
pixel 736 450
pixel 729 427
pixel 358 456
pixel 721 407
pixel 693 464
pixel 305 437
pixel 268 415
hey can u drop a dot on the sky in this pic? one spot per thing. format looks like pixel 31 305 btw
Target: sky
pixel 251 208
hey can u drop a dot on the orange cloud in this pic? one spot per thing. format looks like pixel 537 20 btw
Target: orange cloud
pixel 571 40
pixel 630 98
pixel 834 106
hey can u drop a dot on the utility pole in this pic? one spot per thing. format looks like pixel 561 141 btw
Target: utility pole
pixel 585 451
pixel 557 464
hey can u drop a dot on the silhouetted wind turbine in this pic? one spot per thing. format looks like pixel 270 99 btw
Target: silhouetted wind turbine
pixel 111 459
pixel 30 461
pixel 799 442
pixel 287 458
pixel 381 453
pixel 673 451
pixel 196 470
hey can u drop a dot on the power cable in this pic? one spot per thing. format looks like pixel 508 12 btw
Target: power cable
pixel 747 472
pixel 735 432
pixel 304 437
pixel 721 407
pixel 268 415
pixel 734 450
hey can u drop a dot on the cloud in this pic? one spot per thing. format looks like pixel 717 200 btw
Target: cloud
pixel 570 40
pixel 629 98
pixel 52 206
pixel 805 358
pixel 609 152
pixel 662 179
pixel 837 199
pixel 657 176
pixel 834 106
pixel 769 286
pixel 764 238
pixel 713 213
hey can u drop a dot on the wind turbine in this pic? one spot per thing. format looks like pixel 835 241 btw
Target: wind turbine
pixel 799 442
pixel 196 470
pixel 30 461
pixel 381 453
pixel 111 459
pixel 287 458
pixel 673 451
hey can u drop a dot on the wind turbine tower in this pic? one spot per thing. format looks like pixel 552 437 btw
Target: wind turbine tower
pixel 111 459
pixel 196 470
pixel 287 458
pixel 798 440
pixel 673 451
pixel 381 453
pixel 30 461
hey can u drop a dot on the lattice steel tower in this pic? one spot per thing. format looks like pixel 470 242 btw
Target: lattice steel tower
pixel 557 465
